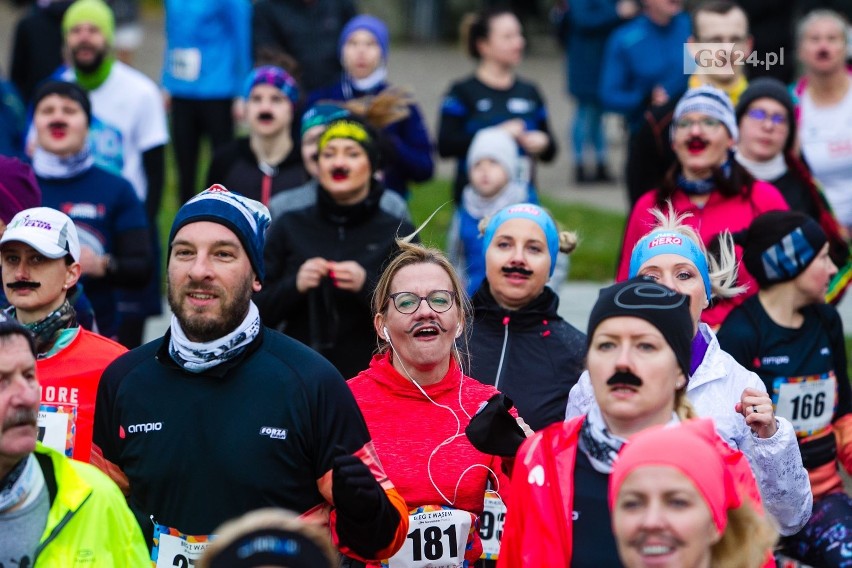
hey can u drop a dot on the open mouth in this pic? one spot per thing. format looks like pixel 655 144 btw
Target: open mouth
pixel 265 117
pixel 58 129
pixel 427 331
pixel 823 55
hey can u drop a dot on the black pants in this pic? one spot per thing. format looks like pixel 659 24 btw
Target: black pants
pixel 192 119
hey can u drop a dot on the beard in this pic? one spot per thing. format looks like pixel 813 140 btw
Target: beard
pixel 199 324
pixel 88 67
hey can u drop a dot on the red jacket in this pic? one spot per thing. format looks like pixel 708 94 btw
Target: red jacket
pixel 69 385
pixel 538 530
pixel 718 214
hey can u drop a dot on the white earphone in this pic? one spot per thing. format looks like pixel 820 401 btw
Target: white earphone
pixel 385 329
pixel 458 329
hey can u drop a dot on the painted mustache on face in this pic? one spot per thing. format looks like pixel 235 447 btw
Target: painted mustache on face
pixel 57 124
pixel 516 270
pixel 23 284
pixel 420 324
pixel 339 173
pixel 21 417
pixel 624 378
pixel 266 116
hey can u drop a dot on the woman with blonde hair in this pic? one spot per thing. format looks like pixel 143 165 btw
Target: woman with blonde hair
pixel 672 254
pixel 417 401
pixel 676 501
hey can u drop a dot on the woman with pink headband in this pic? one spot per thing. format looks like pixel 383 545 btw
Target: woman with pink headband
pixel 673 254
pixel 680 498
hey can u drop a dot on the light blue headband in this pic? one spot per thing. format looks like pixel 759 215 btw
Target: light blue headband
pixel 526 211
pixel 666 242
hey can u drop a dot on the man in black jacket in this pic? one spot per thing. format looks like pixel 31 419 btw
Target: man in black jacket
pixel 223 415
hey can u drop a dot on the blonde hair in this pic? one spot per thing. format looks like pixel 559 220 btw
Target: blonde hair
pixel 410 254
pixel 748 539
pixel 722 270
pixel 269 518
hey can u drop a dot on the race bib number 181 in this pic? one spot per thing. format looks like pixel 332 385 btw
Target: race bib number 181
pixel 437 538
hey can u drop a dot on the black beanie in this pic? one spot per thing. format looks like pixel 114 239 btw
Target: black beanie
pixel 662 307
pixel 65 89
pixel 780 245
pixel 769 87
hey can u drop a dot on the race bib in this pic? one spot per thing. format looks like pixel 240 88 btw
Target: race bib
pixel 807 402
pixel 437 538
pixel 57 427
pixel 173 549
pixel 185 64
pixel 491 525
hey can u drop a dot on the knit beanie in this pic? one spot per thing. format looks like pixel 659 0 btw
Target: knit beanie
pixel 497 144
pixel 780 245
pixel 662 307
pixel 19 189
pixel 68 90
pixel 95 12
pixel 532 213
pixel 321 114
pixel 274 76
pixel 247 218
pixel 710 101
pixel 769 87
pixel 371 24
pixel 690 448
pixel 352 128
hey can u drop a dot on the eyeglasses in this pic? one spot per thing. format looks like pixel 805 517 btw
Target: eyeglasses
pixel 408 302
pixel 760 115
pixel 706 123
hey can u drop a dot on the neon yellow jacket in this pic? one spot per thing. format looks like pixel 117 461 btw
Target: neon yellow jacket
pixel 89 523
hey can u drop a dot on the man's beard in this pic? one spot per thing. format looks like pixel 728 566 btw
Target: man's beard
pixel 200 327
pixel 92 66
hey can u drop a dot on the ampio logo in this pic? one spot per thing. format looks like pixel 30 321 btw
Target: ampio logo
pixel 274 433
pixel 145 428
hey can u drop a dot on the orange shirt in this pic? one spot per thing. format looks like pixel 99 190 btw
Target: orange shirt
pixel 69 385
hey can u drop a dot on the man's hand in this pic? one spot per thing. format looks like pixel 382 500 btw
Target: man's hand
pixel 311 274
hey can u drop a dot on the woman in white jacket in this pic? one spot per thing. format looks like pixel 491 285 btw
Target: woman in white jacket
pixel 719 387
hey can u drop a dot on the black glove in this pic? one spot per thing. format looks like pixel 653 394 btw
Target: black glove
pixel 494 431
pixel 356 492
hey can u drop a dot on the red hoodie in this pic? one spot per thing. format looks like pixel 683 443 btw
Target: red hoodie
pixel 406 428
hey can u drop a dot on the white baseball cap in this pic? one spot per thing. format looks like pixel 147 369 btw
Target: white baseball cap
pixel 50 232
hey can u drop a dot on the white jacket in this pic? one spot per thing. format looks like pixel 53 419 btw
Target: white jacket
pixel 713 390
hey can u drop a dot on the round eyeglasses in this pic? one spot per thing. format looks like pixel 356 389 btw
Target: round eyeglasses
pixel 408 302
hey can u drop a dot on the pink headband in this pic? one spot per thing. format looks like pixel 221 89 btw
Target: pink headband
pixel 689 447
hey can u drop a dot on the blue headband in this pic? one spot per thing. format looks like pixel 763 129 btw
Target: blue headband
pixel 526 211
pixel 247 218
pixel 656 243
pixel 274 76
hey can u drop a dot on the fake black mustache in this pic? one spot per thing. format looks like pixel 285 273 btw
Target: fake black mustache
pixel 624 378
pixel 21 417
pixel 340 171
pixel 265 116
pixel 23 284
pixel 419 324
pixel 58 124
pixel 516 270
pixel 696 140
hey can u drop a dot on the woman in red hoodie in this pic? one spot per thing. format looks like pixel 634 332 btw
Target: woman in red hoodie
pixel 417 402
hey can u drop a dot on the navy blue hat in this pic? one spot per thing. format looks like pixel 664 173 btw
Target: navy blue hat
pixel 247 218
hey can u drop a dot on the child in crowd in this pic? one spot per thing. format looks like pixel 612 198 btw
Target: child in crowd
pixel 492 163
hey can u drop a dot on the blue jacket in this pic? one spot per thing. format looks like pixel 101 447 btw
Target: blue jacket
pixel 407 150
pixel 208 48
pixel 639 56
pixel 592 22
